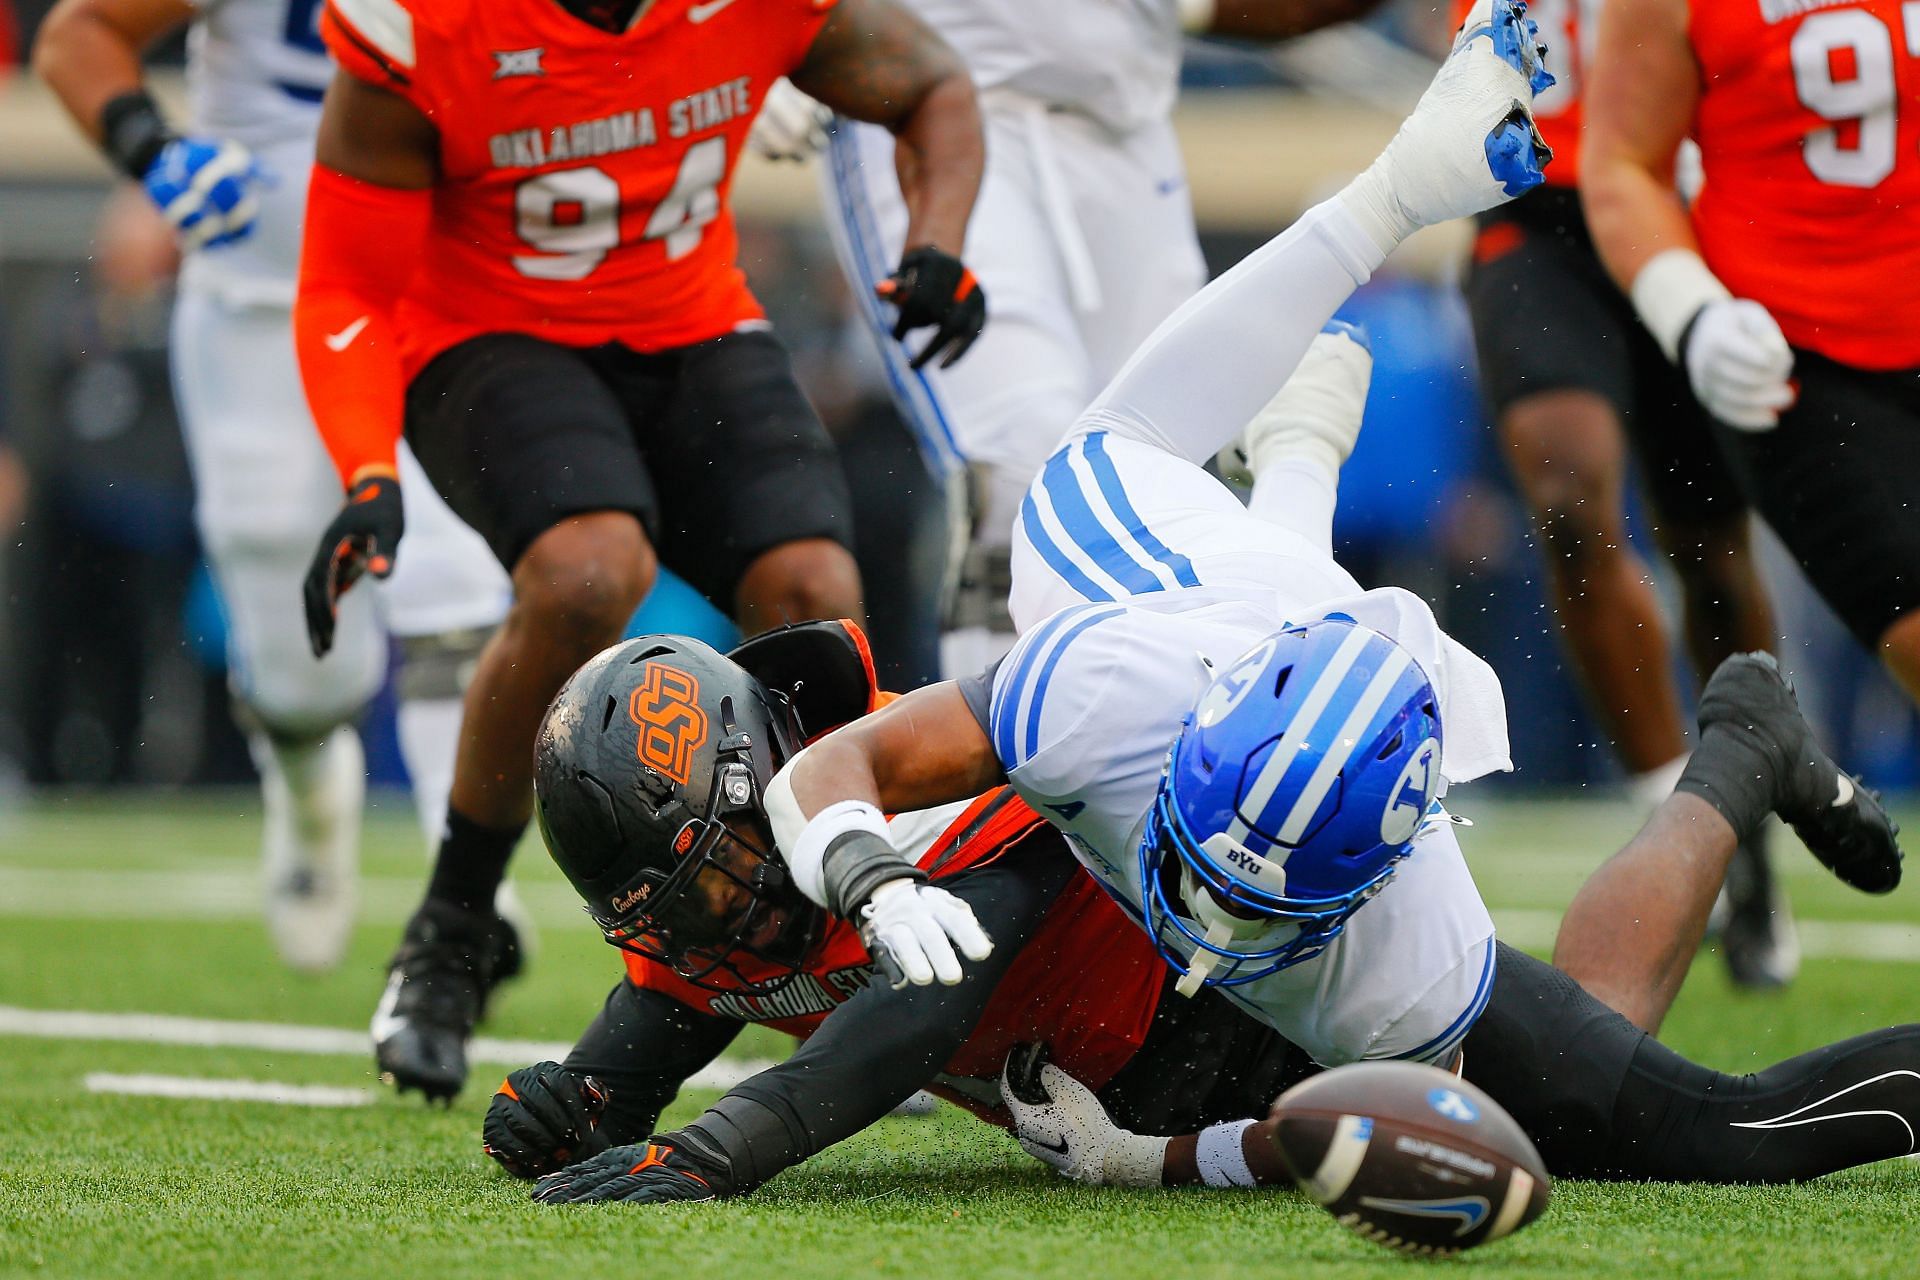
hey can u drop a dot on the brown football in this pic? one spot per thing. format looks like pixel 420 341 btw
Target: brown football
pixel 1410 1156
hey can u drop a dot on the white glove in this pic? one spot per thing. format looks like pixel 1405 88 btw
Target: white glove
pixel 1072 1132
pixel 1738 362
pixel 790 126
pixel 910 931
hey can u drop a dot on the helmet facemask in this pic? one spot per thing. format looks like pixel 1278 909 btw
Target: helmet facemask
pixel 673 917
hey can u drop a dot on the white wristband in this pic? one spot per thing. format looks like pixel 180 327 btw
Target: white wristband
pixel 1196 16
pixel 1221 1154
pixel 1669 292
pixel 810 851
pixel 1135 1160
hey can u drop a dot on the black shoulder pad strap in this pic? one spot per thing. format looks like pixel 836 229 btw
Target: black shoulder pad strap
pixel 824 668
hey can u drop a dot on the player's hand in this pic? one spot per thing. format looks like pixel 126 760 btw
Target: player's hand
pixel 935 288
pixel 361 539
pixel 653 1172
pixel 911 930
pixel 206 189
pixel 1738 362
pixel 1059 1122
pixel 790 126
pixel 543 1118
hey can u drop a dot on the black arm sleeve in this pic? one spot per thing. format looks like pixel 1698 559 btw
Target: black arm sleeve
pixel 872 1052
pixel 643 1046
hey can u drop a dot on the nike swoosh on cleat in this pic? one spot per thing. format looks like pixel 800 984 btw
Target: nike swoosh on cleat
pixel 1058 1149
pixel 701 12
pixel 1843 794
pixel 386 1024
pixel 342 340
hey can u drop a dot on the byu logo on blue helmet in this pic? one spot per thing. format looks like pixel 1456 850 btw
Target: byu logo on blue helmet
pixel 1416 786
pixel 1453 1104
pixel 1231 685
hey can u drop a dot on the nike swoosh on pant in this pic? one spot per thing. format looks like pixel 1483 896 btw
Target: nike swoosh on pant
pixel 1805 1115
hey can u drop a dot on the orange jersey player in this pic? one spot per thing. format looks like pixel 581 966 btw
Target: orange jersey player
pixel 1783 292
pixel 519 253
pixel 1579 391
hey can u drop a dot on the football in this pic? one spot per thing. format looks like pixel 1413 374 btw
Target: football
pixel 1410 1156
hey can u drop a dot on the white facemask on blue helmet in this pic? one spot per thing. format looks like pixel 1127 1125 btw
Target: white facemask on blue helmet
pixel 1289 799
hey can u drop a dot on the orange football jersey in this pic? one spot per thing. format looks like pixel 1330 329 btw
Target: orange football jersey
pixel 1809 130
pixel 1087 983
pixel 584 174
pixel 1566 28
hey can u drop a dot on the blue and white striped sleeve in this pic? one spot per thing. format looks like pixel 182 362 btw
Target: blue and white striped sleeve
pixel 1049 685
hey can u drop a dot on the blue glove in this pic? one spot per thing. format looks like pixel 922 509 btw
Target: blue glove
pixel 205 188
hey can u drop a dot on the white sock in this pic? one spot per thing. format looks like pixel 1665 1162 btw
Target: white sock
pixel 1213 364
pixel 1650 789
pixel 429 740
pixel 302 767
pixel 1298 493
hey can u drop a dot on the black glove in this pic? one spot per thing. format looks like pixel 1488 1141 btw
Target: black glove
pixel 544 1118
pixel 361 539
pixel 936 288
pixel 652 1172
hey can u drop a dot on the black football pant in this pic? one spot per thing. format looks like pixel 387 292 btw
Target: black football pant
pixel 1600 1098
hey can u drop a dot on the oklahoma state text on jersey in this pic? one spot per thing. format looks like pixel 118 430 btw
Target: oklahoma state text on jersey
pixel 1809 128
pixel 584 175
pixel 1087 983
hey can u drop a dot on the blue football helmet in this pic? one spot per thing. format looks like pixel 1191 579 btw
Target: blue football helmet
pixel 1289 799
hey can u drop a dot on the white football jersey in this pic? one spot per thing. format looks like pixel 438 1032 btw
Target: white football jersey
pixel 1137 578
pixel 1115 60
pixel 256 71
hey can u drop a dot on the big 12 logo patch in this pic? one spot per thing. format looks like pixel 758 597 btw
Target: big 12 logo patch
pixel 666 708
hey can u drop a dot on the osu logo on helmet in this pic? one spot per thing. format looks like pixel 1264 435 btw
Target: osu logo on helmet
pixel 672 725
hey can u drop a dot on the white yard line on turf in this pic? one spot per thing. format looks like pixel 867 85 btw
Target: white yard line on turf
pixel 286 1095
pixel 1819 939
pixel 282 1037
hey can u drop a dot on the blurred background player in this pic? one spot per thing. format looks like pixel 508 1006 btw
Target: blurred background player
pixel 1083 237
pixel 1781 292
pixel 578 362
pixel 233 186
pixel 1577 386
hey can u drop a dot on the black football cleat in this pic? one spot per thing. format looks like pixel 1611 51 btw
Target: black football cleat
pixel 1837 816
pixel 436 989
pixel 1757 938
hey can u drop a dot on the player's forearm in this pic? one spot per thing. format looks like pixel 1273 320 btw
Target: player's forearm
pixel 1633 213
pixel 87 62
pixel 361 244
pixel 1269 19
pixel 939 154
pixel 1259 1157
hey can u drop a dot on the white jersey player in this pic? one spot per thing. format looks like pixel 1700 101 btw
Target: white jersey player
pixel 234 185
pixel 1082 236
pixel 1243 747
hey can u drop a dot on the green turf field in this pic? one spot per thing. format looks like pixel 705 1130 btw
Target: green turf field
pixel 144 907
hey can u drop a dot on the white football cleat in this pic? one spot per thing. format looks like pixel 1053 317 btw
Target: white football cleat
pixel 1470 143
pixel 311 851
pixel 1317 413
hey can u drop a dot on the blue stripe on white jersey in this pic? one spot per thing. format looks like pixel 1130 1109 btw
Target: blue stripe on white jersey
pixel 1440 1049
pixel 1020 700
pixel 916 395
pixel 1104 474
pixel 1081 522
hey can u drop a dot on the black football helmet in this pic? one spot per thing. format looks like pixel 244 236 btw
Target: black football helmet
pixel 649 769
